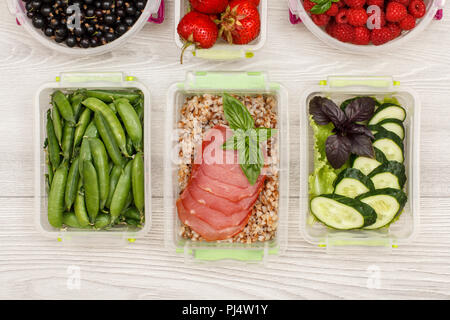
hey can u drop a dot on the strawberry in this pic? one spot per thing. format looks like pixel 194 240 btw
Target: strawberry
pixel 380 36
pixel 408 23
pixel 341 17
pixel 197 28
pixel 355 3
pixel 240 22
pixel 361 36
pixel 344 32
pixel 255 2
pixel 320 19
pixel 417 8
pixel 379 3
pixel 209 6
pixel 395 12
pixel 395 29
pixel 403 2
pixel 334 9
pixel 357 17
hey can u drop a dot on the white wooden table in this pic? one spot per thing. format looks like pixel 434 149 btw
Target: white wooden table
pixel 32 266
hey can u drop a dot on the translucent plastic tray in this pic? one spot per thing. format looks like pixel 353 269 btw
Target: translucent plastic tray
pixel 73 81
pixel 198 83
pixel 223 50
pixel 339 89
pixel 298 14
pixel 154 7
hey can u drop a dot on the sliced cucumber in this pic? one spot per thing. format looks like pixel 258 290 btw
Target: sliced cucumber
pixel 341 212
pixel 388 204
pixel 351 183
pixel 390 144
pixel 392 125
pixel 390 174
pixel 367 165
pixel 388 111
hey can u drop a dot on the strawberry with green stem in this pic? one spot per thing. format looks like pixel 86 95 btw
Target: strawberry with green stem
pixel 240 23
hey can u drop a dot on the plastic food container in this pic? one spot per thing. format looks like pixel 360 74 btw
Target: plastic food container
pixel 153 12
pixel 247 83
pixel 222 50
pixel 298 14
pixel 73 81
pixel 403 230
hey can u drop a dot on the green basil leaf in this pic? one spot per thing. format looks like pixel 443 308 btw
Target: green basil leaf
pixel 236 113
pixel 320 1
pixel 236 142
pixel 321 8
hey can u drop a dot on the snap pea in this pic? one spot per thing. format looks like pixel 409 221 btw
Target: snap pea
pixel 67 140
pixel 133 222
pixel 130 147
pixel 99 106
pixel 57 122
pixel 113 107
pixel 131 121
pixel 52 143
pixel 56 196
pixel 64 107
pixel 132 213
pixel 72 184
pixel 76 100
pixel 137 181
pixel 108 140
pixel 82 124
pixel 121 193
pixel 103 220
pixel 91 189
pixel 100 158
pixel 85 151
pixel 113 178
pixel 50 172
pixel 139 107
pixel 111 95
pixel 91 130
pixel 69 219
pixel 80 206
pixel 129 201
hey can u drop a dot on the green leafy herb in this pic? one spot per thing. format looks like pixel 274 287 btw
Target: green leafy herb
pixel 322 6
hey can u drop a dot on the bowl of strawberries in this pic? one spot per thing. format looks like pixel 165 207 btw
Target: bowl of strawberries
pixel 220 29
pixel 366 26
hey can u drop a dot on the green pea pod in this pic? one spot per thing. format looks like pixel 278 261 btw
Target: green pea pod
pixel 132 222
pixel 132 213
pixel 103 220
pixel 63 104
pixel 137 181
pixel 139 107
pixel 57 122
pixel 82 124
pixel 91 130
pixel 56 196
pixel 131 121
pixel 70 220
pixel 67 140
pixel 85 151
pixel 113 179
pixel 80 206
pixel 101 164
pixel 108 140
pixel 50 172
pixel 112 107
pixel 72 184
pixel 77 107
pixel 121 193
pixel 99 106
pixel 129 201
pixel 111 95
pixel 52 143
pixel 130 147
pixel 91 189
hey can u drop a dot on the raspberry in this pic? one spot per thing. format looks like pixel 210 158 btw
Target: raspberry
pixel 340 4
pixel 379 3
pixel 380 36
pixel 308 5
pixel 395 12
pixel 357 17
pixel 417 8
pixel 361 36
pixel 344 32
pixel 355 3
pixel 395 29
pixel 341 17
pixel 372 22
pixel 408 23
pixel 334 9
pixel 403 2
pixel 320 19
pixel 330 29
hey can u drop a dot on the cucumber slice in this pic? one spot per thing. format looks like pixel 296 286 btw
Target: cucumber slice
pixel 388 204
pixel 342 213
pixel 388 111
pixel 367 165
pixel 390 174
pixel 351 183
pixel 390 144
pixel 392 125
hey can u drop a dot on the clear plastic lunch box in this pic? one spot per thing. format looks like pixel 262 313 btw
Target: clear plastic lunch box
pixel 222 50
pixel 298 14
pixel 403 230
pixel 247 83
pixel 73 81
pixel 153 12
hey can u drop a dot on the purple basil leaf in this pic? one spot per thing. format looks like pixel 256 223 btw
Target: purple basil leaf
pixel 338 150
pixel 315 109
pixel 361 145
pixel 360 109
pixel 354 128
pixel 334 113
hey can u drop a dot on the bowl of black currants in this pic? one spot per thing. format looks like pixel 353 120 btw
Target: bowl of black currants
pixel 83 27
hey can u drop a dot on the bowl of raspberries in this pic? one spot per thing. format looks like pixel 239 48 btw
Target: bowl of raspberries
pixel 366 26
